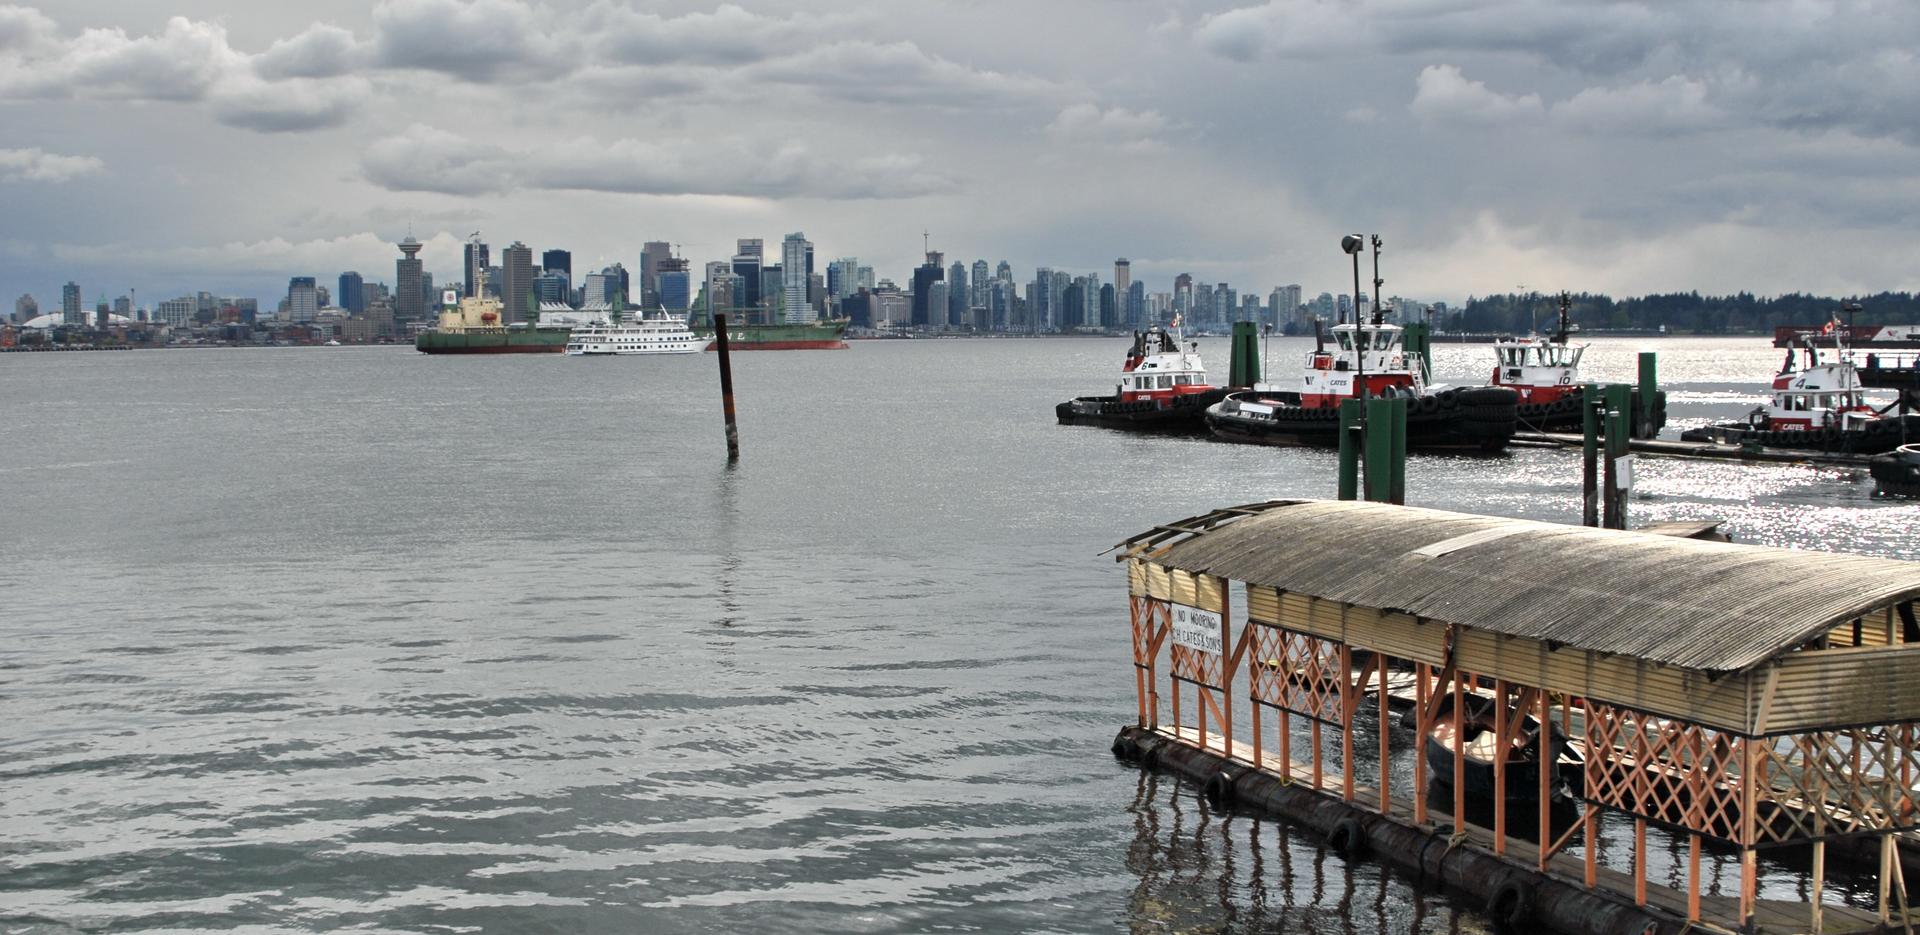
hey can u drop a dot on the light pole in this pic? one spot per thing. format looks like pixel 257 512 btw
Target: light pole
pixel 1353 244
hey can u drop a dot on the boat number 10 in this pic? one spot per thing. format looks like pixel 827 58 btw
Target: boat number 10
pixel 1196 629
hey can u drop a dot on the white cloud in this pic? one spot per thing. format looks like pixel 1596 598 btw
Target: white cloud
pixel 477 40
pixel 730 35
pixel 428 159
pixel 897 73
pixel 1442 95
pixel 322 51
pixel 37 165
pixel 1128 130
pixel 1674 105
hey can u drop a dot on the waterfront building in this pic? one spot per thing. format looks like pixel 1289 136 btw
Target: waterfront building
pixel 596 292
pixel 1109 306
pixel 550 286
pixel 676 286
pixel 652 253
pixel 516 281
pixel 1037 304
pixel 1136 304
pixel 795 307
pixel 1000 304
pixel 303 300
pixel 957 294
pixel 924 276
pixel 747 266
pixel 350 294
pixel 474 253
pixel 174 312
pixel 70 304
pixel 937 302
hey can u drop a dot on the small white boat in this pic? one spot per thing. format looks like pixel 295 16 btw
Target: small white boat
pixel 659 333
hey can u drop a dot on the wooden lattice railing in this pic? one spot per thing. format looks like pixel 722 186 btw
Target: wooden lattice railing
pixel 1301 673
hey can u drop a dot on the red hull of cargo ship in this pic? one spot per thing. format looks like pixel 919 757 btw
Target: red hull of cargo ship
pixel 831 345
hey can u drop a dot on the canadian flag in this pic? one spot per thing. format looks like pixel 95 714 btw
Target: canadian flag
pixel 1828 327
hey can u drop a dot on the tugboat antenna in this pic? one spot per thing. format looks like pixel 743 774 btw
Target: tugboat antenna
pixel 1376 279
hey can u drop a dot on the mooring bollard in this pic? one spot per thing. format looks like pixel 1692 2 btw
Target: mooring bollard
pixel 1619 468
pixel 726 385
pixel 1591 406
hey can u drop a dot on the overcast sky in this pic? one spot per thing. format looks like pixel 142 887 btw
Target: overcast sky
pixel 175 145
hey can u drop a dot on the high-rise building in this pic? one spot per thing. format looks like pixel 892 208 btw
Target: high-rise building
pixel 1122 282
pixel 924 276
pixel 70 313
pixel 477 261
pixel 25 308
pixel 1136 304
pixel 747 266
pixel 559 260
pixel 516 281
pixel 977 286
pixel 958 295
pixel 303 299
pixel 350 296
pixel 795 271
pixel 676 286
pixel 552 286
pixel 651 253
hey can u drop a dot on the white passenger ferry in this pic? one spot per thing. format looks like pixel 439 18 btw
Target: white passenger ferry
pixel 658 333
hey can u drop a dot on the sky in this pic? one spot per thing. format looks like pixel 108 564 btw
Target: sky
pixel 1714 145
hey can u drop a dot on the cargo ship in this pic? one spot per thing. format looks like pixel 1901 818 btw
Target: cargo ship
pixel 1832 334
pixel 825 335
pixel 473 325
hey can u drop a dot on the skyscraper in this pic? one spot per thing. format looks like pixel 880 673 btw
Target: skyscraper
pixel 349 297
pixel 977 286
pixel 651 254
pixel 958 296
pixel 303 299
pixel 516 281
pixel 26 308
pixel 475 254
pixel 560 260
pixel 70 304
pixel 794 307
pixel 676 286
pixel 924 276
pixel 1122 279
pixel 747 267
pixel 1136 305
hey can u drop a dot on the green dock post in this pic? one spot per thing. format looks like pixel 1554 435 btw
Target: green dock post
pixel 1351 417
pixel 1591 405
pixel 1379 437
pixel 1397 479
pixel 1618 431
pixel 1244 364
pixel 1417 338
pixel 1646 397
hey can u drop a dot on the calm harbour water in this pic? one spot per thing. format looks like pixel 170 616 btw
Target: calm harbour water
pixel 353 638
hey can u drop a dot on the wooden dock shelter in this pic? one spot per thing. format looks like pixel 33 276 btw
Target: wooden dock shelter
pixel 1722 697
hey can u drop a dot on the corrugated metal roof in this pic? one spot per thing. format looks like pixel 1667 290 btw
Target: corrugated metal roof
pixel 1715 606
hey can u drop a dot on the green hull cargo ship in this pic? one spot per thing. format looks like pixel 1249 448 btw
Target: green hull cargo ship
pixel 474 325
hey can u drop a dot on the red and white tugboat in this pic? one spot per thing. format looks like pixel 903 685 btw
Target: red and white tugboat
pixel 1367 360
pixel 1163 386
pixel 1545 371
pixel 1816 405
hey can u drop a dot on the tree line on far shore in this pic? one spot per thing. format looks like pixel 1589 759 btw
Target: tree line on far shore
pixel 1680 312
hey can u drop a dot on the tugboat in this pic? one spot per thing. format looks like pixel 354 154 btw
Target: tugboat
pixel 1545 371
pixel 1162 387
pixel 1817 405
pixel 1369 360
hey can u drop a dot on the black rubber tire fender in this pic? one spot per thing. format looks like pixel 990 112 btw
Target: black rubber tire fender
pixel 1219 790
pixel 1125 749
pixel 1347 838
pixel 1510 905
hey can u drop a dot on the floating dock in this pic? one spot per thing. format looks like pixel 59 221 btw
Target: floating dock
pixel 1726 697
pixel 1679 449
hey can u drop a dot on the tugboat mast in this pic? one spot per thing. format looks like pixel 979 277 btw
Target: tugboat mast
pixel 1566 318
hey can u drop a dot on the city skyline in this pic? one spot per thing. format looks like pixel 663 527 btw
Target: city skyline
pixel 1619 148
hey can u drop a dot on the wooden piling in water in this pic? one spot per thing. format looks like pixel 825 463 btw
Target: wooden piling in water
pixel 726 385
